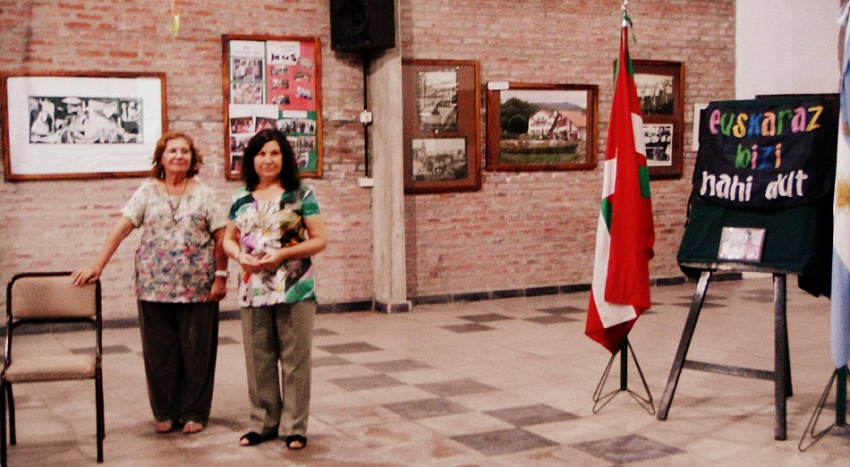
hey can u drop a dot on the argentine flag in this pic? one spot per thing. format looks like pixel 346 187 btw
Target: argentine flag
pixel 840 295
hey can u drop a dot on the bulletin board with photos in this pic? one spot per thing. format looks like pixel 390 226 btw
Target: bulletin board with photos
pixel 272 82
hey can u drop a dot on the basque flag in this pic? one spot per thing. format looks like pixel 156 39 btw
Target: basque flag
pixel 625 233
pixel 840 294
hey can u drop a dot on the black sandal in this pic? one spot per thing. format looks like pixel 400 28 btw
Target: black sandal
pixel 296 438
pixel 253 438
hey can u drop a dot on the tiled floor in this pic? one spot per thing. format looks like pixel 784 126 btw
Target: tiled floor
pixel 494 383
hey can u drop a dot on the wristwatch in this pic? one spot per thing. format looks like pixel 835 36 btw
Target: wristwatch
pixel 224 274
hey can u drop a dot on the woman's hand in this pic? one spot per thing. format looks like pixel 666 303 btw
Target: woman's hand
pixel 272 260
pixel 85 276
pixel 218 290
pixel 249 263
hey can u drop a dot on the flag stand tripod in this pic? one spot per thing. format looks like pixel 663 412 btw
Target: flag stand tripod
pixel 600 400
pixel 839 379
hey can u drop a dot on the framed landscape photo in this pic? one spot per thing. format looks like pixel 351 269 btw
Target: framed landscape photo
pixel 442 109
pixel 660 89
pixel 75 125
pixel 272 82
pixel 532 127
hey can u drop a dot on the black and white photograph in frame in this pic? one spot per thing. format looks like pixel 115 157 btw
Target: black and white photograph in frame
pixel 658 140
pixel 655 93
pixel 80 124
pixel 439 159
pixel 436 100
pixel 85 120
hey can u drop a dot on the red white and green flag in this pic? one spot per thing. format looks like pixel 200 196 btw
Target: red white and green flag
pixel 625 233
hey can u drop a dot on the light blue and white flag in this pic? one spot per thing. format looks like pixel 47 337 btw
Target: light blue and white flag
pixel 840 293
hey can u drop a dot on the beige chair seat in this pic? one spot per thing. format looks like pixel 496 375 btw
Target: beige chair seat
pixel 54 368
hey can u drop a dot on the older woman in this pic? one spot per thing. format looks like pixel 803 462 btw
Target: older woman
pixel 274 229
pixel 181 274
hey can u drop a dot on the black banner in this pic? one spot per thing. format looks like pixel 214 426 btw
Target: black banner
pixel 765 153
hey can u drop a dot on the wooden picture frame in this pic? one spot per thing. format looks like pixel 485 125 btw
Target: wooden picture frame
pixel 81 124
pixel 272 81
pixel 442 122
pixel 536 127
pixel 660 86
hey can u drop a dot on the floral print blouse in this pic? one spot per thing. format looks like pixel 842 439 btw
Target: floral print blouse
pixel 175 261
pixel 264 226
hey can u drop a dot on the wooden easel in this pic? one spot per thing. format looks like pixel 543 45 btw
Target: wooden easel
pixel 781 375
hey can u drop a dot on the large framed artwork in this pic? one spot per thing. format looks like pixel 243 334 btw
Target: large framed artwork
pixel 660 88
pixel 541 126
pixel 442 120
pixel 75 125
pixel 272 82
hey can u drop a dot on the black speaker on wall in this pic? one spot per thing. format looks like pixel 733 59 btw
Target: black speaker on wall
pixel 362 25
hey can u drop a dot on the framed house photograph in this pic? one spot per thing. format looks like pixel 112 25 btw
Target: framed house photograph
pixel 75 125
pixel 660 89
pixel 532 127
pixel 442 109
pixel 272 82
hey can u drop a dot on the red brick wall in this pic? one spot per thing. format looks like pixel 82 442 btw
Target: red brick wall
pixel 521 230
pixel 536 229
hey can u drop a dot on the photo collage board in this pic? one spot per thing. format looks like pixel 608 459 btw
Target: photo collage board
pixel 273 83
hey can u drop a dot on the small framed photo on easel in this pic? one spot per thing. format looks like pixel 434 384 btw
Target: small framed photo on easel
pixel 741 244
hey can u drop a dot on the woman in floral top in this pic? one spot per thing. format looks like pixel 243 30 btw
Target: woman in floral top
pixel 274 229
pixel 181 273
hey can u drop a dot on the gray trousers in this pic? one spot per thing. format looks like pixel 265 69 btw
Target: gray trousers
pixel 179 343
pixel 279 334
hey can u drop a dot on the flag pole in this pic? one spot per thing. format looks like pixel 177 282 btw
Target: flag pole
pixel 601 400
pixel 839 379
pixel 625 234
pixel 839 302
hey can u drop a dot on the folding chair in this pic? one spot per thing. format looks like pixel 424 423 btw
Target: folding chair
pixel 45 299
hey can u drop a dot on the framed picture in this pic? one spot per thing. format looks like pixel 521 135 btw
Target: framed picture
pixel 660 89
pixel 541 126
pixel 272 82
pixel 74 125
pixel 442 110
pixel 741 244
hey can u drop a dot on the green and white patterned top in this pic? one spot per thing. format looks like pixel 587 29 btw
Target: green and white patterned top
pixel 265 226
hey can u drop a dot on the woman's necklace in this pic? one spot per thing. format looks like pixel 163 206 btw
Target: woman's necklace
pixel 175 207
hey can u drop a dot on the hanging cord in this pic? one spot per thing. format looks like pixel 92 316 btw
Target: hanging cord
pixel 175 18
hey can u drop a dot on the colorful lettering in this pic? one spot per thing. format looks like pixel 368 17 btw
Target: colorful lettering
pixel 755 125
pixel 818 109
pixel 768 125
pixel 780 123
pixel 798 123
pixel 726 124
pixel 740 128
pixel 713 121
pixel 744 157
pixel 755 158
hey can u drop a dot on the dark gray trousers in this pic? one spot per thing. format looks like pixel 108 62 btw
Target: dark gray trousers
pixel 179 342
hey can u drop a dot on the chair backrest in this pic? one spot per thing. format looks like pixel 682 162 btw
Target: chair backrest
pixel 37 296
